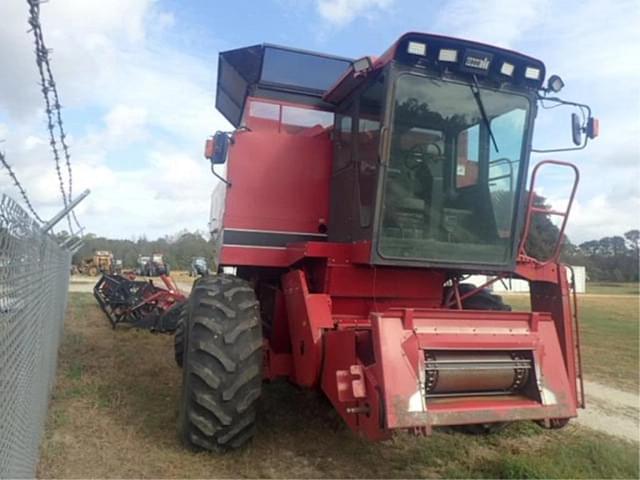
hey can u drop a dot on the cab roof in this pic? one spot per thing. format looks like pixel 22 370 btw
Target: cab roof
pixel 464 57
pixel 318 79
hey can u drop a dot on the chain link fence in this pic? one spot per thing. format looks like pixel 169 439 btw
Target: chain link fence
pixel 34 278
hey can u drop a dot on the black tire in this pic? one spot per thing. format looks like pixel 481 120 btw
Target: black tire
pixel 222 365
pixel 482 428
pixel 554 423
pixel 178 339
pixel 483 300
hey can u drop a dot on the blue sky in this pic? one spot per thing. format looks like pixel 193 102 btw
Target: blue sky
pixel 137 78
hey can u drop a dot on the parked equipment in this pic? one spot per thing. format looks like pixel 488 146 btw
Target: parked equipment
pixel 101 261
pixel 118 266
pixel 358 195
pixel 198 267
pixel 152 266
pixel 138 303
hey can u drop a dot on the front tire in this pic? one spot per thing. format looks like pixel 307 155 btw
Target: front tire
pixel 222 365
pixel 554 423
pixel 483 300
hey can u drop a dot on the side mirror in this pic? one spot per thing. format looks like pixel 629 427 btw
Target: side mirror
pixel 584 127
pixel 593 127
pixel 215 148
pixel 576 129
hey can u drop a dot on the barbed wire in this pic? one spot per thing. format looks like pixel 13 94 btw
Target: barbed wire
pixel 53 109
pixel 20 188
pixel 62 134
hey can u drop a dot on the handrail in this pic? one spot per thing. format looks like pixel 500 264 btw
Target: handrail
pixel 576 327
pixel 531 210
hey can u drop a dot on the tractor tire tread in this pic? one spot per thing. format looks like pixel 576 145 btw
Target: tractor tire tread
pixel 178 338
pixel 222 365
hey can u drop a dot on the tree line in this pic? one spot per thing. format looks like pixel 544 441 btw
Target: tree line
pixel 178 250
pixel 612 258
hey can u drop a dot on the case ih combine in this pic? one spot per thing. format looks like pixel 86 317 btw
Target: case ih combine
pixel 358 196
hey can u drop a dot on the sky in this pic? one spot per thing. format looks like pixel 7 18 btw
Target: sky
pixel 137 82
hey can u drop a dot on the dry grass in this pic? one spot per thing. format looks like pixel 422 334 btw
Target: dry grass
pixel 181 276
pixel 610 332
pixel 613 288
pixel 114 413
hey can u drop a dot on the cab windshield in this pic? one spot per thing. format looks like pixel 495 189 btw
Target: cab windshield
pixel 451 191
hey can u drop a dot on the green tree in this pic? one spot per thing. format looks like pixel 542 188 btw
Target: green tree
pixel 543 234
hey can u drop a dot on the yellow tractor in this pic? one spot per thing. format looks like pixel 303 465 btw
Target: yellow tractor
pixel 101 261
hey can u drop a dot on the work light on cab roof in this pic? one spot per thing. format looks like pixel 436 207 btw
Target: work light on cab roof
pixel 358 196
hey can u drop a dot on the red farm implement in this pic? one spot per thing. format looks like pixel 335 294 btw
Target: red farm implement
pixel 140 304
pixel 359 195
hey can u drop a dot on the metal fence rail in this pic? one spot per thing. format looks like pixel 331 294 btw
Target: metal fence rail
pixel 34 277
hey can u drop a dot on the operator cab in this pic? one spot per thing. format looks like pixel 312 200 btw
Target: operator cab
pixel 419 157
pixel 433 139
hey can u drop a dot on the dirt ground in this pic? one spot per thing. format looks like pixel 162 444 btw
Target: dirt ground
pixel 611 411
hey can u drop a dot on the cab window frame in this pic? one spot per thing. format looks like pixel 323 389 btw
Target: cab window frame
pixel 349 111
pixel 398 71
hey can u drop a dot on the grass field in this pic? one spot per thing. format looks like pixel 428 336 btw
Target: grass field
pixel 613 288
pixel 609 328
pixel 114 415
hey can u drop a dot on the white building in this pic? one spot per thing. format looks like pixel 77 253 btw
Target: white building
pixel 522 286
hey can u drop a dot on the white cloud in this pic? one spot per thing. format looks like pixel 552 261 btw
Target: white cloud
pixel 500 22
pixel 599 216
pixel 140 95
pixel 125 123
pixel 148 108
pixel 343 12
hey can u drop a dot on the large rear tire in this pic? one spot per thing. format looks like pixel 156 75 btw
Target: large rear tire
pixel 222 365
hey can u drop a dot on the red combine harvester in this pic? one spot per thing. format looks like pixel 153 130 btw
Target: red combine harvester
pixel 358 196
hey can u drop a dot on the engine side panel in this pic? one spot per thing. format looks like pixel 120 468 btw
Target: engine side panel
pixel 279 170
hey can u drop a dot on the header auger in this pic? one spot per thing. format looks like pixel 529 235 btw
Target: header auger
pixel 358 196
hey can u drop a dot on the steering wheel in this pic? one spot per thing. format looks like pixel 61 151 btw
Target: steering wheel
pixel 422 153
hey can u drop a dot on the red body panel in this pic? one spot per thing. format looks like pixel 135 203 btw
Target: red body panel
pixel 265 257
pixel 280 180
